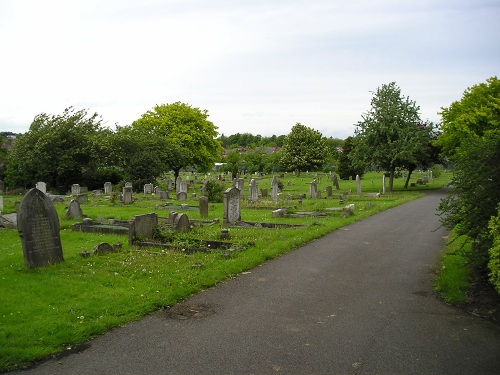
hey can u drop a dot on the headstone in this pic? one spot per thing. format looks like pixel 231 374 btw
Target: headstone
pixel 169 184
pixel 203 206
pixel 128 184
pixel 336 182
pixel 74 210
pixel 183 188
pixel 181 196
pixel 82 198
pixel 280 212
pixel 102 248
pixel 171 217
pixel 240 186
pixel 143 226
pixel 164 195
pixel 358 184
pixel 181 223
pixel 2 186
pixel 203 190
pixel 75 189
pixel 274 189
pixel 264 193
pixel 312 190
pixel 96 193
pixel 127 194
pixel 157 189
pixel 108 188
pixel 253 193
pixel 148 188
pixel 178 182
pixel 318 194
pixel 42 186
pixel 232 212
pixel 383 184
pixel 38 227
pixel 329 191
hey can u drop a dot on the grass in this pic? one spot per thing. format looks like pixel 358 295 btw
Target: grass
pixel 454 276
pixel 46 310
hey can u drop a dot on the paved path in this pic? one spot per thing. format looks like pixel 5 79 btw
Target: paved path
pixel 357 301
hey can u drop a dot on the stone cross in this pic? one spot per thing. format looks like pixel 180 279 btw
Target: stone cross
pixel 38 227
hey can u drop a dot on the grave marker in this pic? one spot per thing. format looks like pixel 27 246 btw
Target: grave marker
pixel 75 189
pixel 38 227
pixel 181 196
pixel 108 188
pixel 127 194
pixel 42 186
pixel 253 194
pixel 181 223
pixel 358 185
pixel 143 226
pixel 148 188
pixel 74 210
pixel 274 189
pixel 329 191
pixel 232 212
pixel 336 182
pixel 203 206
pixel 312 190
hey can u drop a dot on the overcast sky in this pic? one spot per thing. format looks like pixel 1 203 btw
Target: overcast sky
pixel 256 66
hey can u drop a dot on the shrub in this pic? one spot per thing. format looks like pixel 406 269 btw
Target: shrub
pixel 494 262
pixel 214 191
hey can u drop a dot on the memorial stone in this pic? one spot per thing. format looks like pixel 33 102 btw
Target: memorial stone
pixel 329 191
pixel 108 188
pixel 74 210
pixel 143 226
pixel 178 182
pixel 103 248
pixel 312 190
pixel 203 207
pixel 75 189
pixel 181 196
pixel 169 183
pixel 164 195
pixel 240 185
pixel 127 194
pixel 336 182
pixel 274 189
pixel 38 227
pixel 358 185
pixel 148 189
pixel 264 193
pixel 383 184
pixel 232 212
pixel 181 223
pixel 253 194
pixel 42 186
pixel 82 198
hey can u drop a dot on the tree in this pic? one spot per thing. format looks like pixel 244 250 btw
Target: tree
pixel 471 140
pixel 345 167
pixel 304 149
pixel 388 135
pixel 59 150
pixel 188 130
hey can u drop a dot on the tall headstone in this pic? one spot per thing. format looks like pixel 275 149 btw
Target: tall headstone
pixel 274 189
pixel 232 212
pixel 312 190
pixel 178 182
pixel 383 184
pixel 329 191
pixel 108 188
pixel 181 223
pixel 169 183
pixel 358 185
pixel 74 210
pixel 127 194
pixel 143 226
pixel 42 186
pixel 240 184
pixel 203 207
pixel 253 191
pixel 75 189
pixel 336 182
pixel 183 188
pixel 203 190
pixel 38 227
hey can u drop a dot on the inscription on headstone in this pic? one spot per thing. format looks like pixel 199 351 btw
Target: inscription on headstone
pixel 232 206
pixel 38 227
pixel 203 207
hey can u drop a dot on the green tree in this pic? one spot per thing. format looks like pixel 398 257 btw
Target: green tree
pixel 388 136
pixel 345 167
pixel 59 150
pixel 186 128
pixel 304 149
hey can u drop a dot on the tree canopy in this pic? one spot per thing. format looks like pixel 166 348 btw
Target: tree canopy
pixel 304 149
pixel 389 136
pixel 188 130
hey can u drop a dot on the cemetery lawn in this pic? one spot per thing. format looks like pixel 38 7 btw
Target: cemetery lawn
pixel 50 310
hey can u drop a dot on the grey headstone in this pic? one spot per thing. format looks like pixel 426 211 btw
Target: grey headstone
pixel 38 227
pixel 232 212
pixel 148 188
pixel 127 194
pixel 82 198
pixel 181 196
pixel 143 226
pixel 178 182
pixel 274 189
pixel 169 184
pixel 103 248
pixel 181 223
pixel 336 182
pixel 164 195
pixel 42 186
pixel 128 184
pixel 75 189
pixel 240 184
pixel 74 210
pixel 383 184
pixel 312 190
pixel 171 217
pixel 108 188
pixel 264 193
pixel 203 207
pixel 253 191
pixel 358 185
pixel 329 191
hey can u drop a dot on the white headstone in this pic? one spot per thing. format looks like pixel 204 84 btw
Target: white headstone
pixel 42 186
pixel 358 184
pixel 274 189
pixel 232 212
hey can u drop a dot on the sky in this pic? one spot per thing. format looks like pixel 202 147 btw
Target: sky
pixel 256 66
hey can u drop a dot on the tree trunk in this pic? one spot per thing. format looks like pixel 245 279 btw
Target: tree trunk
pixel 176 174
pixel 391 178
pixel 410 171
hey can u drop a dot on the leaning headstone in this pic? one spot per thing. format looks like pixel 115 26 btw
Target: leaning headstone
pixel 42 186
pixel 74 210
pixel 181 223
pixel 358 184
pixel 274 189
pixel 38 227
pixel 127 194
pixel 329 191
pixel 103 248
pixel 108 188
pixel 203 206
pixel 75 189
pixel 336 182
pixel 171 217
pixel 253 191
pixel 232 212
pixel 312 190
pixel 143 226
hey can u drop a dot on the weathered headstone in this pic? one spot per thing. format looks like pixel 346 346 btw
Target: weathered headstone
pixel 108 188
pixel 329 191
pixel 358 184
pixel 183 188
pixel 383 184
pixel 178 182
pixel 240 185
pixel 164 195
pixel 148 188
pixel 103 248
pixel 181 196
pixel 264 193
pixel 203 190
pixel 203 206
pixel 74 210
pixel 253 191
pixel 232 212
pixel 336 182
pixel 75 189
pixel 38 227
pixel 171 217
pixel 312 190
pixel 127 194
pixel 274 189
pixel 169 184
pixel 42 186
pixel 128 184
pixel 82 198
pixel 181 223
pixel 143 226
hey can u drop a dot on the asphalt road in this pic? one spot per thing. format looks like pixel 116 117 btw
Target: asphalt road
pixel 357 301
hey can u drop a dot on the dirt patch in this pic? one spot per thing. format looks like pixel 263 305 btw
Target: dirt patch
pixel 184 312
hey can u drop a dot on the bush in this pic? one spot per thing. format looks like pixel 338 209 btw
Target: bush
pixel 214 191
pixel 437 170
pixel 494 263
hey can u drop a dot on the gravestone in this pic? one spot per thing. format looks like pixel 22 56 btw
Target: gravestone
pixel 329 191
pixel 264 193
pixel 103 248
pixel 274 189
pixel 82 198
pixel 171 217
pixel 127 194
pixel 203 206
pixel 75 189
pixel 74 210
pixel 336 182
pixel 148 188
pixel 2 186
pixel 164 195
pixel 203 190
pixel 383 184
pixel 253 193
pixel 169 183
pixel 183 188
pixel 232 212
pixel 38 227
pixel 358 185
pixel 178 182
pixel 181 223
pixel 42 186
pixel 143 227
pixel 108 188
pixel 128 184
pixel 240 185
pixel 96 193
pixel 312 190
pixel 181 196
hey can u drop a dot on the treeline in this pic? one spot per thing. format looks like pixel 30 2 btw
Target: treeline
pixel 251 141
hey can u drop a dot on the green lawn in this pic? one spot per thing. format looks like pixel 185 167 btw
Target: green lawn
pixel 47 310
